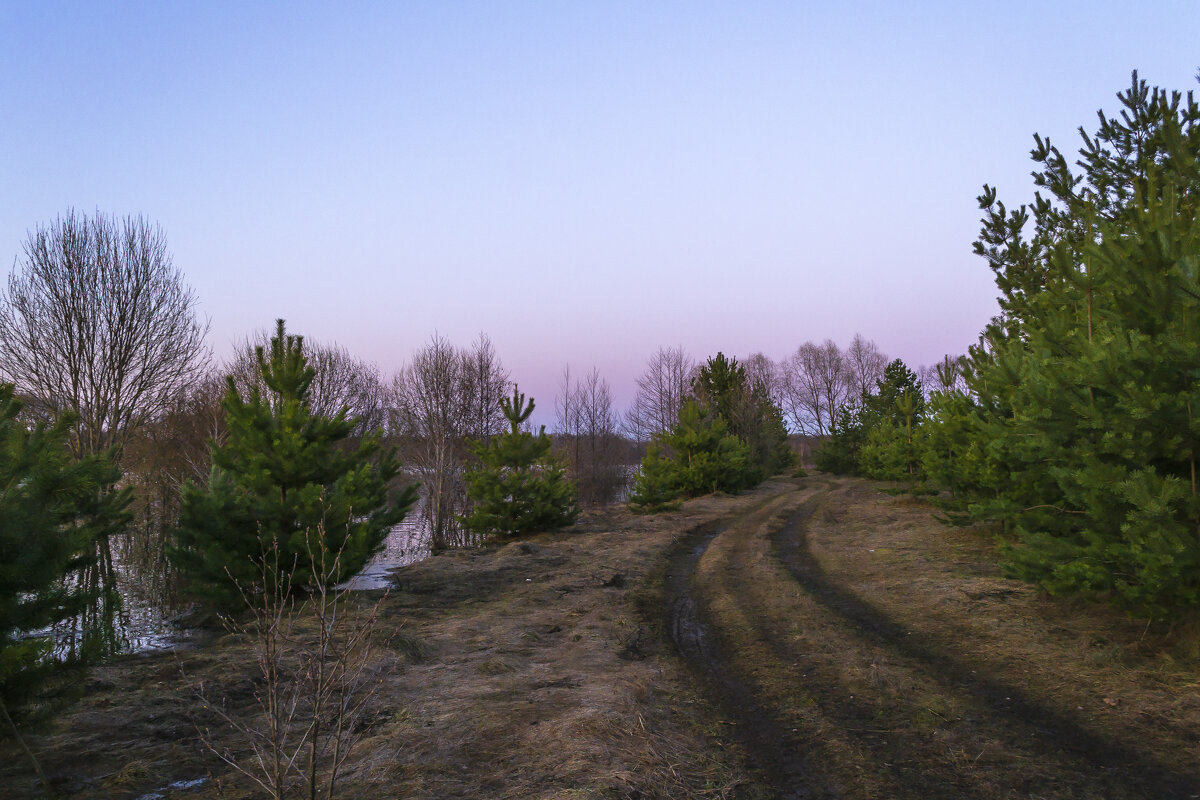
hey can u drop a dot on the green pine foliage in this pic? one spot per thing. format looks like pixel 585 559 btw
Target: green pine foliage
pixel 728 438
pixel 52 512
pixel 517 485
pixel 839 452
pixel 952 458
pixel 657 486
pixel 723 387
pixel 287 478
pixel 1083 435
pixel 880 436
pixel 698 456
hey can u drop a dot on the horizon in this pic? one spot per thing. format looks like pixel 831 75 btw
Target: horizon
pixel 582 184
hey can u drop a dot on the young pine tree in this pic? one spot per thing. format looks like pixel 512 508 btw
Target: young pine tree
pixel 724 388
pixel 1087 385
pixel 518 485
pixel 697 456
pixel 285 477
pixel 52 511
pixel 879 436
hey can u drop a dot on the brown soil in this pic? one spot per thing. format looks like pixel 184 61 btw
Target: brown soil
pixel 836 642
pixel 865 651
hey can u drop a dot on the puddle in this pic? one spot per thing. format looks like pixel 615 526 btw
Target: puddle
pixel 178 786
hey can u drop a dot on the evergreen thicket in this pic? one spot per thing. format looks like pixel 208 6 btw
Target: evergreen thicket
pixel 517 485
pixel 1073 423
pixel 697 456
pixel 729 437
pixel 880 435
pixel 1083 433
pixel 53 510
pixel 289 487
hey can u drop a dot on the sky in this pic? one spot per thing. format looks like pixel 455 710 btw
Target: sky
pixel 583 181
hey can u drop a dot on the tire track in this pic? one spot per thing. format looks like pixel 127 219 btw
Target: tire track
pixel 1071 760
pixel 784 762
pixel 1120 768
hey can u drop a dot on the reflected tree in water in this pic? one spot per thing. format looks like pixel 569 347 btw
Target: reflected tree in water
pixel 96 322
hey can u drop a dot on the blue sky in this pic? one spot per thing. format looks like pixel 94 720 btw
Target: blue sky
pixel 583 181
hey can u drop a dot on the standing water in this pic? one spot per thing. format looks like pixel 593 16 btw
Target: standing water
pixel 149 615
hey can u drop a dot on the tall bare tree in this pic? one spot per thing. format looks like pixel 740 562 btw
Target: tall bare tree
pixel 430 414
pixel 443 399
pixel 865 363
pixel 567 419
pixel 97 319
pixel 588 427
pixel 663 388
pixel 815 384
pixel 485 383
pixel 764 376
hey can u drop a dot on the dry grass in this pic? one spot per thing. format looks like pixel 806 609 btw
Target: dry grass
pixel 541 670
pixel 530 670
pixel 901 664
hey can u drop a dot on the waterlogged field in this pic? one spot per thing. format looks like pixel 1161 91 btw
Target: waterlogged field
pixel 812 638
pixel 151 617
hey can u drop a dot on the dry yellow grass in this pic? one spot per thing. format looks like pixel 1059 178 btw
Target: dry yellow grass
pixel 875 652
pixel 528 670
pixel 892 659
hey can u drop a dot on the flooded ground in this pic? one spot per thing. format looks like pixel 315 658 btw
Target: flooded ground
pixel 151 618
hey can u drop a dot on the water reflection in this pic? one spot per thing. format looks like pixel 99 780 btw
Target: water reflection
pixel 145 612
pixel 407 543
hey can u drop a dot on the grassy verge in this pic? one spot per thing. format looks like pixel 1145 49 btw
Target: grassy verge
pixel 532 669
pixel 898 663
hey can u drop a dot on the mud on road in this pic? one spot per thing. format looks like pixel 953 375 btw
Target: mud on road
pixel 859 649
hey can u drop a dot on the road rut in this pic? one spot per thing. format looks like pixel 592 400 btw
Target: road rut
pixel 832 697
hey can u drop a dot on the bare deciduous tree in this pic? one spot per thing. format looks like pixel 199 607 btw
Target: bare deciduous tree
pixel 865 363
pixel 429 412
pixel 567 419
pixel 442 399
pixel 815 383
pixel 315 660
pixel 764 375
pixel 587 425
pixel 662 389
pixel 485 383
pixel 96 319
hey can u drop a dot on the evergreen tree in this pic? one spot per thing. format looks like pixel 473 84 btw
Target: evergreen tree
pixel 951 457
pixel 724 388
pixel 52 511
pixel 1087 384
pixel 839 452
pixel 879 436
pixel 517 484
pixel 697 456
pixel 285 477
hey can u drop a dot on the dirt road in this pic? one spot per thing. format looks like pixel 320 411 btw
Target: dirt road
pixel 860 650
pixel 836 642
